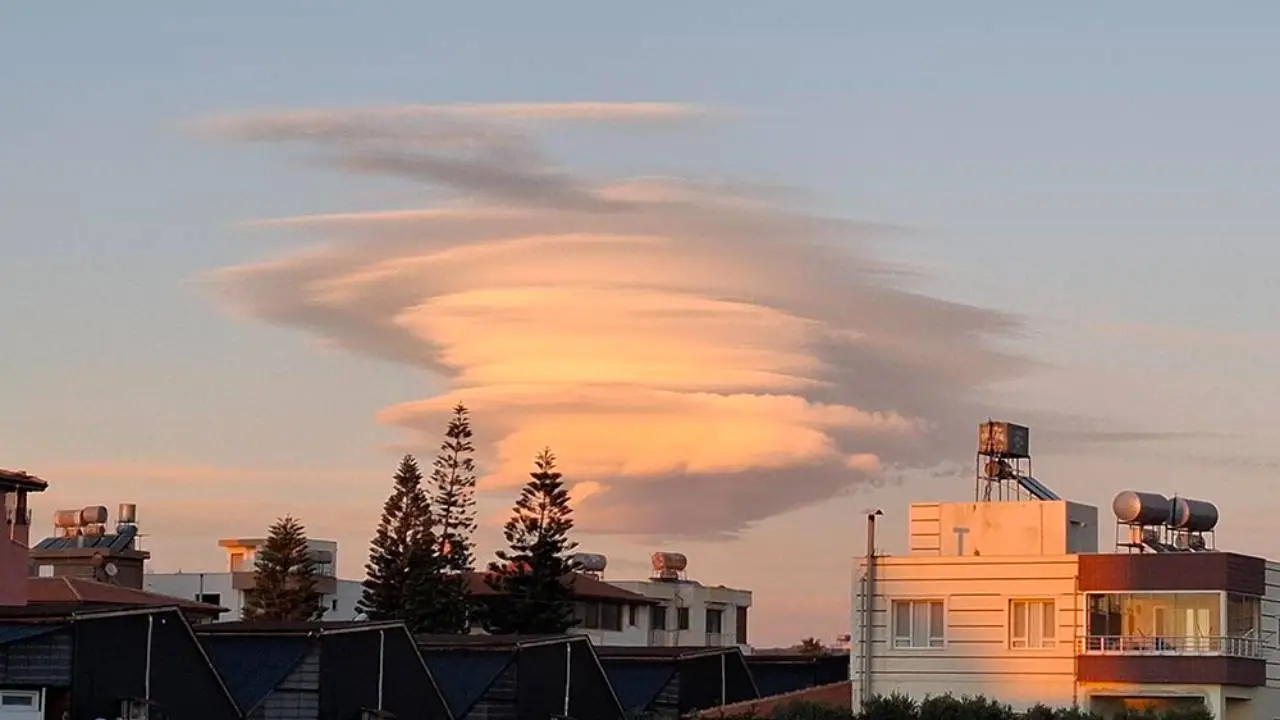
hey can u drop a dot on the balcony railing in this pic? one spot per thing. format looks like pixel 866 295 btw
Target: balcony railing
pixel 1231 646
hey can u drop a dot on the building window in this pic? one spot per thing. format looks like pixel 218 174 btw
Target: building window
pixel 658 617
pixel 334 605
pixel 918 624
pixel 631 615
pixel 611 617
pixel 1188 622
pixel 45 571
pixel 18 700
pixel 598 615
pixel 209 598
pixel 742 626
pixel 682 618
pixel 1032 624
pixel 237 562
pixel 715 621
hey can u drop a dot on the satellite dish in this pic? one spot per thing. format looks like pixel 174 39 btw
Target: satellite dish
pixel 111 569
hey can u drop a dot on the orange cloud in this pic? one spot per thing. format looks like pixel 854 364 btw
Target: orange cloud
pixel 698 359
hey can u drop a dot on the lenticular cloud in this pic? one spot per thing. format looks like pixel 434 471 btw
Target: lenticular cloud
pixel 698 359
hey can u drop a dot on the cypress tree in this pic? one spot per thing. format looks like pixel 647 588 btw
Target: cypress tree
pixel 284 577
pixel 534 576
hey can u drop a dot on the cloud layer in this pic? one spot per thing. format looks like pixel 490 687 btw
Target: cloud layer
pixel 698 359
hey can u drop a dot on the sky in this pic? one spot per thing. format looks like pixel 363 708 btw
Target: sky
pixel 748 269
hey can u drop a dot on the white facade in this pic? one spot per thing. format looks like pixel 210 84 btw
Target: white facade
pixel 686 614
pixel 988 602
pixel 227 588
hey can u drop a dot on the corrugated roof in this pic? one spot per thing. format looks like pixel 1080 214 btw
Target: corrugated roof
pixel 638 684
pixel 465 675
pixel 15 632
pixel 252 666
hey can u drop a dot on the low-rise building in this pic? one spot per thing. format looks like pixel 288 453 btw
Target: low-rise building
pixel 667 610
pixel 684 612
pixel 1008 596
pixel 229 588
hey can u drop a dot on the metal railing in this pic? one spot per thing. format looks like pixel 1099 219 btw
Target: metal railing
pixel 1231 646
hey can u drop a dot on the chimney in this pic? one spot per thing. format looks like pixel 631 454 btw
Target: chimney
pixel 14 551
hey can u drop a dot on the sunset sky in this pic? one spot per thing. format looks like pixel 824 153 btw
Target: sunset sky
pixel 749 268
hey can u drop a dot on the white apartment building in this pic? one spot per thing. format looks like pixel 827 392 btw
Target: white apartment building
pixel 228 587
pixel 1010 598
pixel 666 610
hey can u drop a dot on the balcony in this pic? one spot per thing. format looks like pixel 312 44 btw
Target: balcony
pixel 1214 645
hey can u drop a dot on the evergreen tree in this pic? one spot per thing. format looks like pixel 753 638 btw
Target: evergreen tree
pixel 454 503
pixel 403 569
pixel 534 577
pixel 811 646
pixel 284 577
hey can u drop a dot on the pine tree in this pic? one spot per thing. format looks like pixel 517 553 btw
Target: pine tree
pixel 534 578
pixel 284 577
pixel 403 568
pixel 454 478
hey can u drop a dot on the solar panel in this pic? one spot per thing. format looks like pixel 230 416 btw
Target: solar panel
pixel 1036 488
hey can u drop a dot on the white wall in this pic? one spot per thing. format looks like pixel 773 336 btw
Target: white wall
pixel 190 585
pixel 1003 528
pixel 632 635
pixel 976 657
pixel 697 598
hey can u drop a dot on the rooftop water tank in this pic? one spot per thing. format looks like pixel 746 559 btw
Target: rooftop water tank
pixel 1194 515
pixel 1141 508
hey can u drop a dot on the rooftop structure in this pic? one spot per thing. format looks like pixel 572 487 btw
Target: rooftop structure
pixel 85 544
pixel 231 586
pixel 131 663
pixel 684 612
pixel 486 676
pixel 677 681
pixel 15 486
pixel 326 669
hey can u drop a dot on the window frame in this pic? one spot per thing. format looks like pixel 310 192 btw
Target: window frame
pixel 34 696
pixel 912 601
pixel 658 618
pixel 1029 601
pixel 682 619
pixel 607 610
pixel 719 615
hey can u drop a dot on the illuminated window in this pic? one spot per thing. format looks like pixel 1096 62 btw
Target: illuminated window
pixel 1032 624
pixel 919 624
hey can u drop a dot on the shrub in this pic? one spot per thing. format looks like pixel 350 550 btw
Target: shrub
pixel 891 707
pixel 950 707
